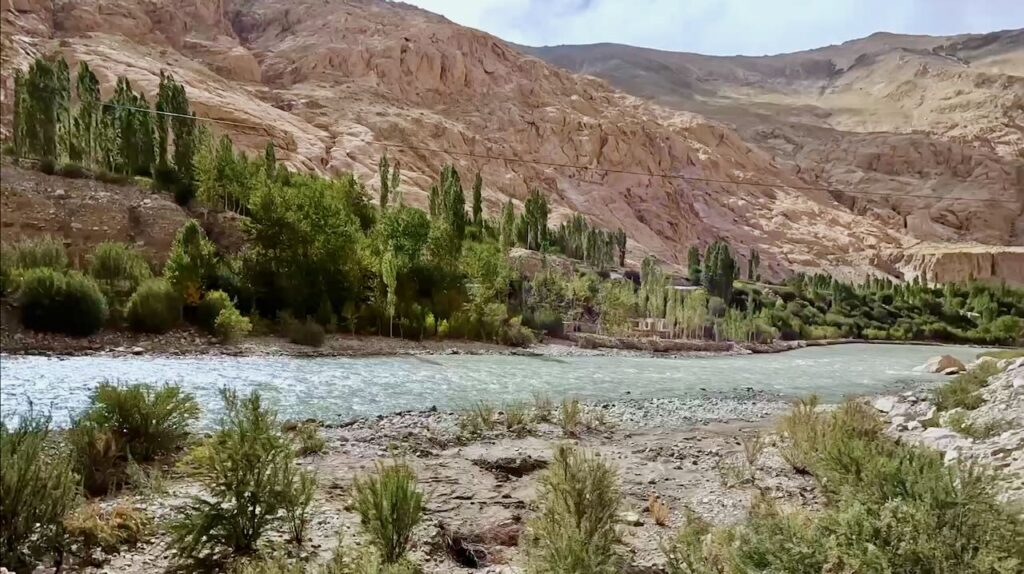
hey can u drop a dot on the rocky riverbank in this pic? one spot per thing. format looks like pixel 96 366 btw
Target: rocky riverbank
pixel 991 434
pixel 711 454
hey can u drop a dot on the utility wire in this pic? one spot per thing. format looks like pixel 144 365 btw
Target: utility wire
pixel 597 169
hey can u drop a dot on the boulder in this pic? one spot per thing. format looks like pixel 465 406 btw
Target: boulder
pixel 945 364
pixel 942 438
pixel 884 404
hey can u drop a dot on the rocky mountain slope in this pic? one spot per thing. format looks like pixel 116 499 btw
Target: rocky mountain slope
pixel 332 82
pixel 901 115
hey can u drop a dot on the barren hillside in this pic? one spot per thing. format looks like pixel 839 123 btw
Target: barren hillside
pixel 901 115
pixel 330 82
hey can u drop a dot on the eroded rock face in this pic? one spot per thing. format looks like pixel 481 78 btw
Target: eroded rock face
pixel 331 83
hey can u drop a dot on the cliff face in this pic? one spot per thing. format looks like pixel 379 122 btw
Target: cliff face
pixel 331 83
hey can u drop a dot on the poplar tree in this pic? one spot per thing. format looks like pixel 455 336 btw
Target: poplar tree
pixel 87 117
pixel 508 225
pixel 693 265
pixel 384 171
pixel 478 183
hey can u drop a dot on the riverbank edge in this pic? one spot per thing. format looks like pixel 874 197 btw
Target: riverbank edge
pixel 193 344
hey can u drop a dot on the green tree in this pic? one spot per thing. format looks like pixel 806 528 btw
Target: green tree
pixel 487 277
pixel 192 263
pixel 508 224
pixel 720 270
pixel 752 266
pixel 534 229
pixel 389 274
pixel 693 265
pixel 478 210
pixel 22 115
pixel 616 302
pixel 270 159
pixel 42 110
pixel 62 93
pixel 384 171
pixel 620 242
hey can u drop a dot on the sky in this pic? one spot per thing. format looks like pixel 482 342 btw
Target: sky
pixel 723 27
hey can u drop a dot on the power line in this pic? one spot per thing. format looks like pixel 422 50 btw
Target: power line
pixel 599 169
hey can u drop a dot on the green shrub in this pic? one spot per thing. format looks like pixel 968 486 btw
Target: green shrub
pixel 514 334
pixel 517 419
pixel 891 507
pixel 34 253
pixel 570 417
pixel 155 307
pixel 309 439
pixel 981 430
pixel 37 490
pixel 192 264
pixel 962 391
pixel 99 457
pixel 209 309
pixel 73 171
pixel 308 333
pixel 249 475
pixel 6 273
pixel 48 166
pixel 390 505
pixel 1003 354
pixel 69 303
pixel 118 270
pixel 91 527
pixel 148 421
pixel 113 178
pixel 574 530
pixel 543 408
pixel 231 326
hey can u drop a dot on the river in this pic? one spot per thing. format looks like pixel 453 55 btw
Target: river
pixel 334 389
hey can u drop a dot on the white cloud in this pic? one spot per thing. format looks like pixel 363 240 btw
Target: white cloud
pixel 723 27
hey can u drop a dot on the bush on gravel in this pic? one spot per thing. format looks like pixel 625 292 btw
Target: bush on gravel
pixel 57 302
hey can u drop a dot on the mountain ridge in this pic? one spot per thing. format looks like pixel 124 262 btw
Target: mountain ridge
pixel 329 83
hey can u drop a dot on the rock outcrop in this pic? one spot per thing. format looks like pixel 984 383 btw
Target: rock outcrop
pixel 992 434
pixel 334 85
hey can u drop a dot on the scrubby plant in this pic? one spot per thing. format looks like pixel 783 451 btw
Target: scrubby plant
pixel 209 309
pixel 38 488
pixel 479 418
pixel 962 391
pixel 54 301
pixel 574 530
pixel 308 333
pixel 91 528
pixel 685 551
pixel 231 326
pixel 570 417
pixel 658 509
pixel 249 475
pixel 155 307
pixel 45 251
pixel 890 507
pixel 297 493
pixel 192 262
pixel 959 422
pixel 310 440
pixel 148 421
pixel 517 418
pixel 72 170
pixel 99 457
pixel 543 408
pixel 390 505
pixel 118 270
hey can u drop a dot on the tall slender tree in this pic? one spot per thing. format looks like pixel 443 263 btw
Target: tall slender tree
pixel 507 233
pixel 87 116
pixel 384 171
pixel 478 210
pixel 693 265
